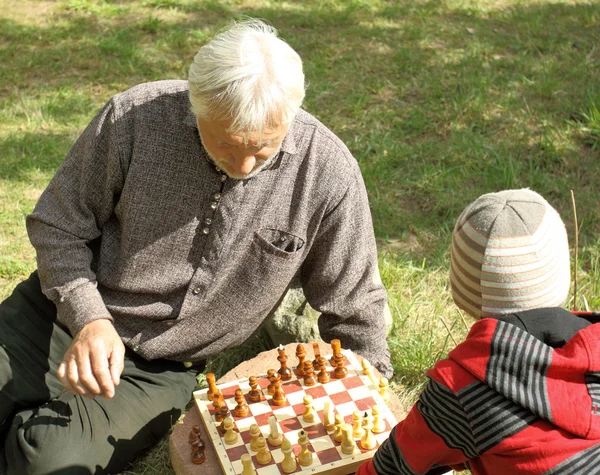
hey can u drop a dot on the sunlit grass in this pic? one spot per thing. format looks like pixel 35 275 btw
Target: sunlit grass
pixel 438 101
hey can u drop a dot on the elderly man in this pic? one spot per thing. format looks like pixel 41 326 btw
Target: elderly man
pixel 168 235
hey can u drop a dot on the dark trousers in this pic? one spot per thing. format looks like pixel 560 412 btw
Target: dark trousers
pixel 45 429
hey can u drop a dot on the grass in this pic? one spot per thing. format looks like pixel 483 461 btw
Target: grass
pixel 439 101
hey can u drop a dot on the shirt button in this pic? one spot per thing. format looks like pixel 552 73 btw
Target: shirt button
pixel 135 347
pixel 213 205
pixel 218 169
pixel 223 177
pixel 196 290
pixel 217 196
pixel 205 231
pixel 208 221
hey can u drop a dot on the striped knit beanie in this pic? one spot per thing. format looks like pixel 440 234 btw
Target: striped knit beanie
pixel 509 253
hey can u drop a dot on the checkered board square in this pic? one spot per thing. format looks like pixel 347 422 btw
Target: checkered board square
pixel 354 392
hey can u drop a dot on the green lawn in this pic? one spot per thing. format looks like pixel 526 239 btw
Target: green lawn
pixel 440 101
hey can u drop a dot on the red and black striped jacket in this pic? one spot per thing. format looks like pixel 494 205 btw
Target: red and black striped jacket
pixel 521 395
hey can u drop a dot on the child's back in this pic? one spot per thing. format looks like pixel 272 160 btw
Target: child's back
pixel 521 394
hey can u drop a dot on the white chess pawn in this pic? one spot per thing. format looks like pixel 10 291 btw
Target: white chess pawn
pixel 348 444
pixel 231 436
pixel 248 465
pixel 383 390
pixel 255 433
pixel 357 430
pixel 288 465
pixel 367 441
pixel 309 415
pixel 378 421
pixel 263 456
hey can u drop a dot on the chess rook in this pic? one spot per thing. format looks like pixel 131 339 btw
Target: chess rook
pixel 317 352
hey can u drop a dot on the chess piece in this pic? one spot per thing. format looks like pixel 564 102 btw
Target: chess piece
pixel 309 414
pixel 300 354
pixel 317 352
pixel 275 438
pixel 270 387
pixel 309 379
pixel 231 436
pixel 357 430
pixel 241 410
pixel 340 371
pixel 378 421
pixel 216 404
pixel 212 386
pixel 339 425
pixel 223 414
pixel 248 466
pixel 255 433
pixel 305 457
pixel 336 346
pixel 278 395
pixel 263 456
pixel 367 441
pixel 323 376
pixel 198 455
pixel 383 390
pixel 254 394
pixel 328 416
pixel 288 465
pixel 348 444
pixel 368 371
pixel 284 371
pixel 193 437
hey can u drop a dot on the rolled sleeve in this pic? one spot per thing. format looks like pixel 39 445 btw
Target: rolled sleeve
pixel 70 214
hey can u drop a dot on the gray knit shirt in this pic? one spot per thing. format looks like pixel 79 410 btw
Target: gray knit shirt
pixel 139 227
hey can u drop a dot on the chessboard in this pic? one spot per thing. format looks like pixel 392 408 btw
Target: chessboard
pixel 355 392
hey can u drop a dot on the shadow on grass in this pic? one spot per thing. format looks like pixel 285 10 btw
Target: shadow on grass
pixel 438 104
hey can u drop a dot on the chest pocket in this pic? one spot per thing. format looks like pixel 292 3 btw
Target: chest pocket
pixel 279 243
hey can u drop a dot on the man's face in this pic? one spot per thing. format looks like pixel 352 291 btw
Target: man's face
pixel 229 152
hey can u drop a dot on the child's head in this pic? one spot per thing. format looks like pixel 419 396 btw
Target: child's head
pixel 509 253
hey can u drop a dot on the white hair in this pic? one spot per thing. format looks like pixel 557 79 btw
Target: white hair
pixel 248 75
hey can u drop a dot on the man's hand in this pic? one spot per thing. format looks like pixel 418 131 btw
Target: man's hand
pixel 93 364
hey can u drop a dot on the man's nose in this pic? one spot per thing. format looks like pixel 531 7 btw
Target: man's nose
pixel 243 161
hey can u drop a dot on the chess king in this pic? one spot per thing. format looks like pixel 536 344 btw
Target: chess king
pixel 172 229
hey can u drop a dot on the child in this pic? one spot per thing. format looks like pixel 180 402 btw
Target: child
pixel 521 394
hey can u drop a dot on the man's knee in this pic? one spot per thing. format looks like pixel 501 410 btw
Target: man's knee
pixel 37 443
